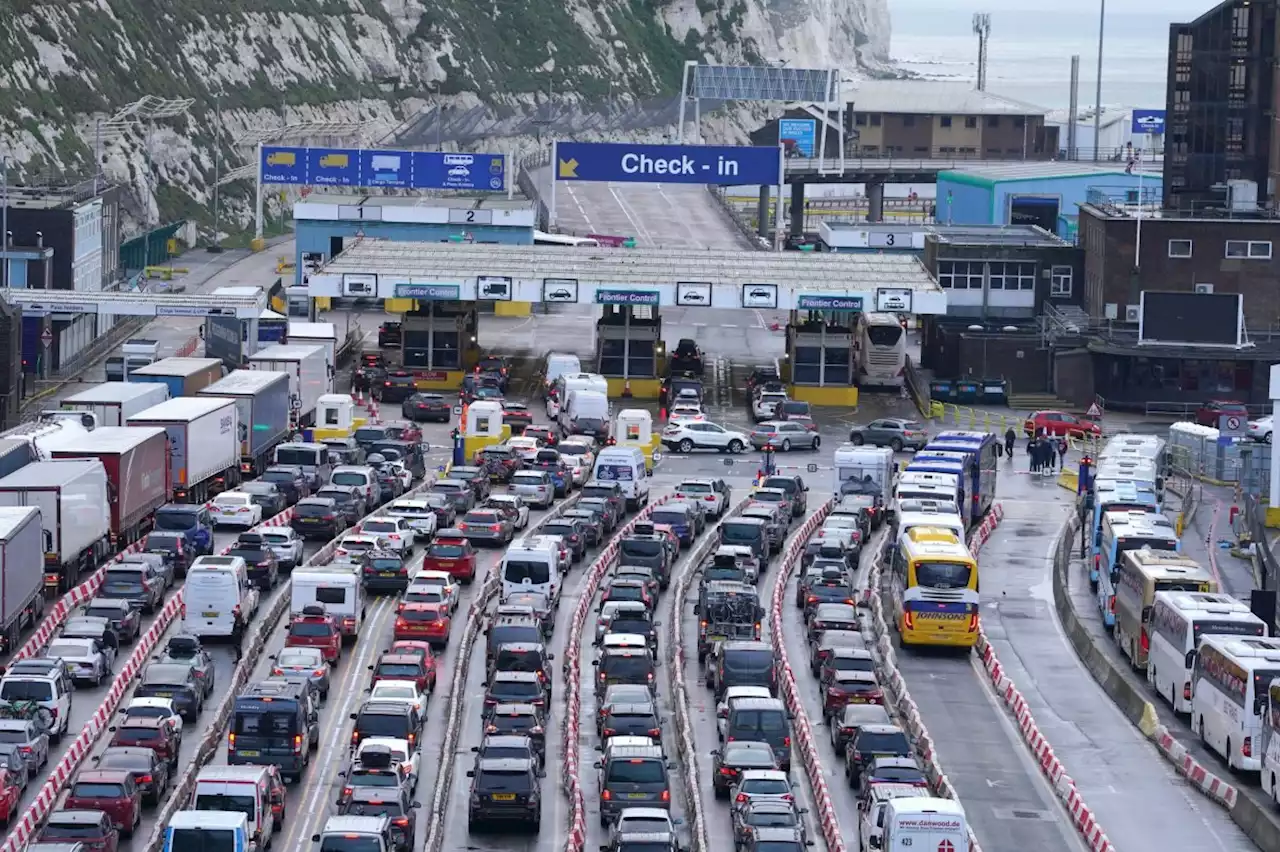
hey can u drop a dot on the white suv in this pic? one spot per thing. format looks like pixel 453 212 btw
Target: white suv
pixel 712 493
pixel 419 514
pixel 765 405
pixel 44 683
pixel 687 437
pixel 395 529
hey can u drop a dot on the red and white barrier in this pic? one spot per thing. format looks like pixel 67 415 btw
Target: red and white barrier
pixel 802 730
pixel 1063 784
pixel 1211 785
pixel 46 799
pixel 573 675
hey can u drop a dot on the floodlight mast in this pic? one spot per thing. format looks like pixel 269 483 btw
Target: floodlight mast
pixel 147 110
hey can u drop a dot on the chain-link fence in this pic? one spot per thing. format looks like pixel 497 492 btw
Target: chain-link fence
pixel 1199 451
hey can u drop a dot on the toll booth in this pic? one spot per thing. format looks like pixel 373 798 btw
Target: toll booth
pixel 438 342
pixel 336 417
pixel 633 427
pixel 629 350
pixel 822 357
pixel 482 427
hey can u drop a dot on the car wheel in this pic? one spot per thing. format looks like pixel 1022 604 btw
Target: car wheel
pixel 817 441
pixel 786 445
pixel 856 438
pixel 735 446
pixel 896 444
pixel 686 446
pixel 1266 439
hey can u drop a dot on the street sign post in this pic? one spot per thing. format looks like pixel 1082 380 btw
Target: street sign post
pixel 46 337
pixel 1232 425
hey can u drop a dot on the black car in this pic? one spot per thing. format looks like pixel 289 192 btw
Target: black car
pixel 176 681
pixel 420 407
pixel 476 477
pixel 390 334
pixel 172 546
pixel 259 558
pixel 291 480
pixel 526 720
pixel 396 386
pixel 390 486
pixel 391 803
pixel 632 720
pixel 495 366
pixel 385 719
pixel 149 770
pixel 503 791
pixel 506 747
pixel 267 495
pixel 318 517
pixel 371 369
pixel 123 618
pixel 350 501
pixel 500 462
pixel 574 533
pixel 729 761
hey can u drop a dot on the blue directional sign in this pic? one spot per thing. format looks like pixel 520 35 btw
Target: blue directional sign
pixel 699 164
pixel 396 169
pixel 798 134
pixel 1148 122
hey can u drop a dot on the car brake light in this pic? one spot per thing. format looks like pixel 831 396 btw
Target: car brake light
pixel 319 672
pixel 297 744
pixel 606 795
pixel 231 742
pixel 145 779
pixel 742 798
pixel 1144 641
pixel 655 732
pixel 908 620
pixel 786 742
pixel 1186 691
pixel 973 622
pixel 726 771
pixel 400 622
pixel 608 732
pixel 277 671
pixel 1246 749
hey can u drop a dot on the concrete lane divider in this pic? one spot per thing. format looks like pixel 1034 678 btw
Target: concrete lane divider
pixel 801 728
pixel 456 701
pixel 1050 766
pixel 680 701
pixel 573 676
pixel 25 827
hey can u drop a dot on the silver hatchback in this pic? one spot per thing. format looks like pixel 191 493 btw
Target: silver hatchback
pixel 535 486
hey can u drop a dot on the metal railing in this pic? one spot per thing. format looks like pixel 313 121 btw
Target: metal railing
pixel 938 159
pixel 1187 410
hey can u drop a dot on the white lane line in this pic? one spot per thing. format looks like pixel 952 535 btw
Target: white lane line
pixel 581 210
pixel 642 233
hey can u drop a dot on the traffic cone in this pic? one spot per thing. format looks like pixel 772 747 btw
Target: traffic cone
pixel 626 389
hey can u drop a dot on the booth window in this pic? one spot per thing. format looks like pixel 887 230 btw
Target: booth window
pixel 612 356
pixel 445 354
pixel 807 369
pixel 640 359
pixel 836 367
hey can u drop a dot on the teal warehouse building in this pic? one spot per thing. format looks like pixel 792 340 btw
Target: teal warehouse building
pixel 1048 195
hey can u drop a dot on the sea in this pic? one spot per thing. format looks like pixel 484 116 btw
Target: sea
pixel 1031 44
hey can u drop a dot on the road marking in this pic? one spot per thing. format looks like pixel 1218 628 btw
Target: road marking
pixel 581 210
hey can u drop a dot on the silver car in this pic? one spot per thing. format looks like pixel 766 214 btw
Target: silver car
pixel 784 436
pixel 535 487
pixel 30 740
pixel 304 661
pixel 86 659
pixel 286 544
pixel 157 562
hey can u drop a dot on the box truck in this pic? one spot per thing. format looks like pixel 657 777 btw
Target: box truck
pixel 204 444
pixel 15 454
pixel 135 353
pixel 112 403
pixel 74 499
pixel 316 334
pixel 22 570
pixel 262 397
pixel 137 464
pixel 309 375
pixel 183 376
pixel 43 434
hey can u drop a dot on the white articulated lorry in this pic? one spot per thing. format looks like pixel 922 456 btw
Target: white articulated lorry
pixel 22 570
pixel 310 376
pixel 111 403
pixel 204 444
pixel 73 496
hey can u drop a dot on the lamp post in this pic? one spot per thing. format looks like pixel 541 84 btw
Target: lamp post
pixel 1097 92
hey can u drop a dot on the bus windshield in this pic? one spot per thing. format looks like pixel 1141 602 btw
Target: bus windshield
pixel 303 456
pixel 884 335
pixel 943 575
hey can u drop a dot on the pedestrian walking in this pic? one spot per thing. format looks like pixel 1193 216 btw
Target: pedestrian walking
pixel 1062 453
pixel 1033 450
pixel 1051 455
pixel 1010 438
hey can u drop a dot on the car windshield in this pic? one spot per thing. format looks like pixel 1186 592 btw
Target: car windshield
pixel 344 843
pixel 310 629
pixel 766 786
pixel 669 516
pixel 630 667
pixel 512 689
pixel 516 723
pixel 78 831
pixel 380 527
pixel 504 753
pixel 637 770
pixel 765 721
pixel 26 690
pixel 499 781
pixel 149 712
pixel 892 742
pixel 298 659
pixel 312 510
pixel 123 580
pixel 383 725
pixel 446 550
pixel 746 533
pixel 175 520
pixel 899 773
pixel 631 624
pixel 520 570
pixel 398 670
pixel 67 649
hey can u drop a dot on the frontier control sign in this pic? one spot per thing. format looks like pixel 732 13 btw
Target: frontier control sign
pixel 696 164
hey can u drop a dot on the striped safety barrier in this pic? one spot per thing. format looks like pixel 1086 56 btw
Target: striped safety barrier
pixel 573 675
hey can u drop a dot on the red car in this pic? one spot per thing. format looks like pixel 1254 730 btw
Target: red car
pixel 112 791
pixel 427 621
pixel 421 650
pixel 315 628
pixel 406 666
pixel 849 687
pixel 452 553
pixel 94 829
pixel 10 795
pixel 1211 412
pixel 148 732
pixel 1059 423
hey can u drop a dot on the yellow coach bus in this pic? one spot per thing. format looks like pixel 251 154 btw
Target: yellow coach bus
pixel 935 589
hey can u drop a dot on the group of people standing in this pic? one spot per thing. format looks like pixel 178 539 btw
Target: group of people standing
pixel 1046 452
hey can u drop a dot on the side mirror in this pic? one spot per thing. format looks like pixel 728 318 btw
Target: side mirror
pixel 597 765
pixel 657 624
pixel 715 752
pixel 551 656
pixel 355 715
pixel 804 810
pixel 315 838
pixel 595 662
pixel 338 803
pixel 414 805
pixel 471 773
pixel 112 729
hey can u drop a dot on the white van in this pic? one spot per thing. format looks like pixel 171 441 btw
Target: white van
pixel 208 830
pixel 857 464
pixel 625 466
pixel 558 364
pixel 335 587
pixel 358 476
pixel 570 382
pixel 218 597
pixel 531 564
pixel 586 411
pixel 913 824
pixel 242 789
pixel 945 520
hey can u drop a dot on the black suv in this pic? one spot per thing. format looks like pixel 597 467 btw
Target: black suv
pixel 385 719
pixel 796 490
pixel 505 790
pixel 259 558
pixel 396 386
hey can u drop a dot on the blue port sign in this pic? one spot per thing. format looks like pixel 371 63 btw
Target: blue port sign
pixel 721 165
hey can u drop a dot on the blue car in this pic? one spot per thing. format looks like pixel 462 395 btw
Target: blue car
pixel 679 519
